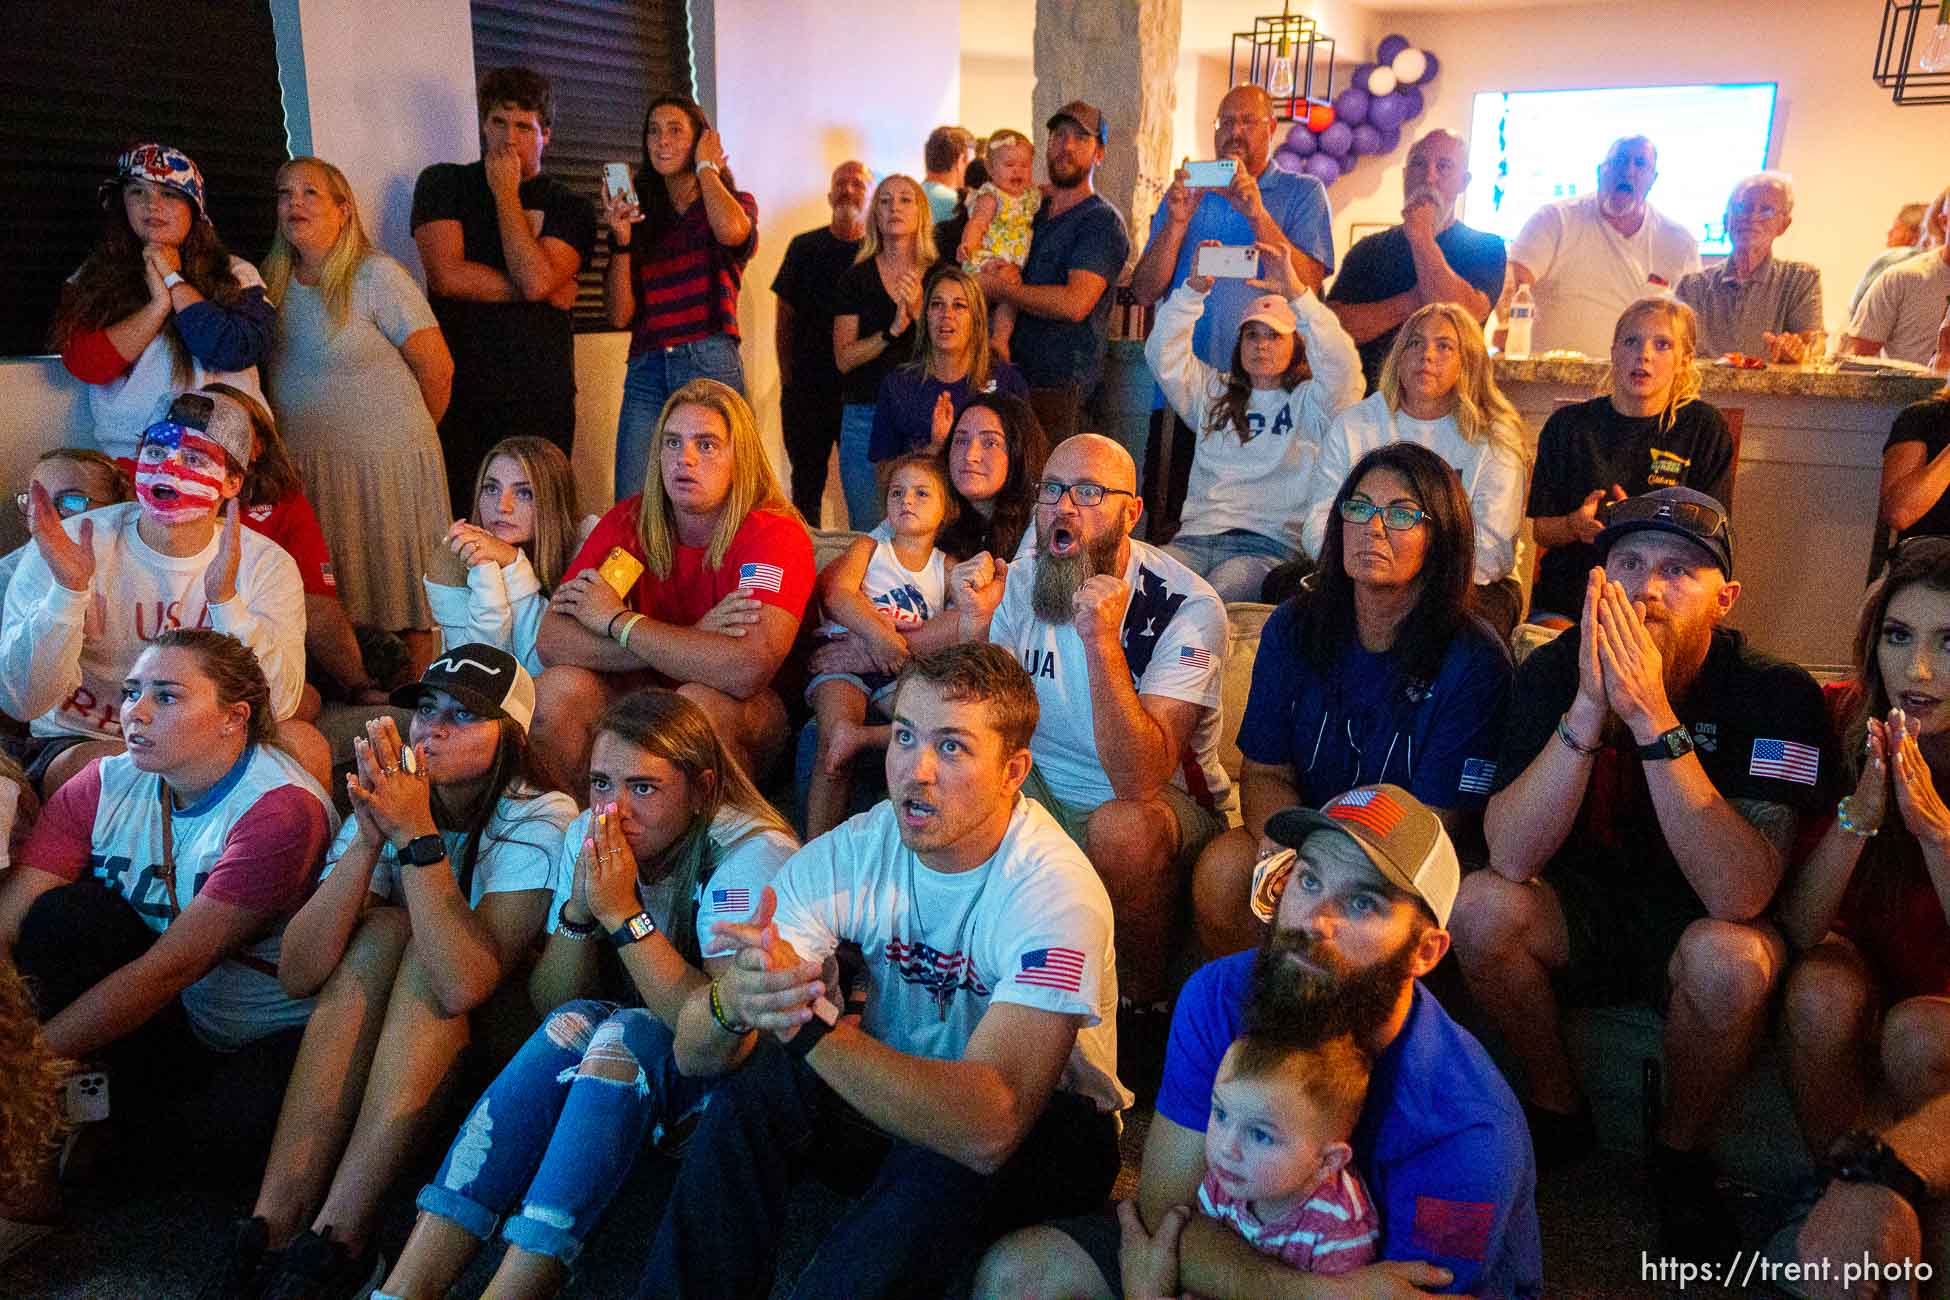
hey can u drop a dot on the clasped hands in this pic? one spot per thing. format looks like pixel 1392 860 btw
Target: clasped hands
pixel 1621 670
pixel 1892 757
pixel 769 987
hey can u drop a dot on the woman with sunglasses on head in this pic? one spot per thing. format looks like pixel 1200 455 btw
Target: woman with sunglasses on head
pixel 76 480
pixel 1377 672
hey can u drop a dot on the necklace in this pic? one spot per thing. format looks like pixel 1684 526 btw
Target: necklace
pixel 943 979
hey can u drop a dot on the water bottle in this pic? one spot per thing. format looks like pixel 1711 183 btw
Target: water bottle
pixel 1523 316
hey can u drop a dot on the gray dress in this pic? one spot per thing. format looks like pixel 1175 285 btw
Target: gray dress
pixel 360 434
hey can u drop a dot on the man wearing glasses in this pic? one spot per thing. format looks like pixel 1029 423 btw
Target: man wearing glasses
pixel 1652 774
pixel 1752 302
pixel 1126 647
pixel 76 480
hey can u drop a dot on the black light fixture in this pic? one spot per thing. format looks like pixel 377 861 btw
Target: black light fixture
pixel 1913 51
pixel 1281 52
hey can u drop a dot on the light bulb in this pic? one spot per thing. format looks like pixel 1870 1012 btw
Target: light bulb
pixel 1279 80
pixel 1935 55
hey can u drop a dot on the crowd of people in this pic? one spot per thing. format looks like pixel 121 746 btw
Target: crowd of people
pixel 944 970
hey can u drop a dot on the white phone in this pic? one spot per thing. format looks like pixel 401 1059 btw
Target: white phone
pixel 616 181
pixel 86 1101
pixel 1214 175
pixel 1227 262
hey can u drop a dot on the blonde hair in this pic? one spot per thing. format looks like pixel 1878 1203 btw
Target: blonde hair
pixel 1008 138
pixel 980 363
pixel 1685 332
pixel 554 484
pixel 32 1118
pixel 753 485
pixel 924 251
pixel 342 261
pixel 1483 413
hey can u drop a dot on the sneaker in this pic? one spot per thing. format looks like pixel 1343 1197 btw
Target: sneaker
pixel 1142 1034
pixel 1694 1222
pixel 250 1262
pixel 315 1267
pixel 1558 1139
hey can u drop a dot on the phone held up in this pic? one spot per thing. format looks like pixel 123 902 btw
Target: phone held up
pixel 1226 262
pixel 1214 175
pixel 617 182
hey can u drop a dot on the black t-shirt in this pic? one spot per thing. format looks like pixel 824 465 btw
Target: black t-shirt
pixel 1759 727
pixel 1927 422
pixel 519 354
pixel 1588 446
pixel 860 293
pixel 807 281
pixel 1381 266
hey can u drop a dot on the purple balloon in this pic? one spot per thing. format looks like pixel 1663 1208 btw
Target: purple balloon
pixel 1287 160
pixel 1351 106
pixel 1323 168
pixel 1300 142
pixel 1367 139
pixel 1390 46
pixel 1391 140
pixel 1413 98
pixel 1337 139
pixel 1390 111
pixel 1428 74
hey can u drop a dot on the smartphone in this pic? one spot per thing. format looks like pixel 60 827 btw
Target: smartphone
pixel 620 570
pixel 86 1100
pixel 1214 175
pixel 1226 262
pixel 616 181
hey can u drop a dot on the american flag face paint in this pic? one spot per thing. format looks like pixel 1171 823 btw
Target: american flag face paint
pixel 179 474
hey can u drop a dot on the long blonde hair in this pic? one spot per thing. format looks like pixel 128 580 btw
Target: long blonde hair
pixel 924 251
pixel 980 362
pixel 1483 413
pixel 753 485
pixel 1685 332
pixel 342 262
pixel 554 485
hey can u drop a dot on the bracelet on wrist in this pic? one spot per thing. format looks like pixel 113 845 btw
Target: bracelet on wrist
pixel 1571 742
pixel 609 629
pixel 622 637
pixel 724 1021
pixel 1845 818
pixel 580 931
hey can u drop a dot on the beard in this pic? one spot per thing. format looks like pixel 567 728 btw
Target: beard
pixel 1683 648
pixel 849 214
pixel 1059 577
pixel 1321 998
pixel 1065 175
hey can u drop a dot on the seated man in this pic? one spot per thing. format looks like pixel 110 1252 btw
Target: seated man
pixel 1358 912
pixel 1127 650
pixel 1887 1185
pixel 1753 302
pixel 97 588
pixel 976 1091
pixel 1903 315
pixel 1646 797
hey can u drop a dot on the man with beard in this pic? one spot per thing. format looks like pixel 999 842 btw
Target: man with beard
pixel 1126 647
pixel 1589 258
pixel 809 380
pixel 1062 294
pixel 976 1091
pixel 1358 911
pixel 1646 799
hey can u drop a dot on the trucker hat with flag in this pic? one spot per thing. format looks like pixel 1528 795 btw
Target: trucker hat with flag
pixel 1399 834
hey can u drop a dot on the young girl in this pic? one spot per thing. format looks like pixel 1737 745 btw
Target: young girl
pixel 516 548
pixel 676 831
pixel 432 891
pixel 999 218
pixel 892 578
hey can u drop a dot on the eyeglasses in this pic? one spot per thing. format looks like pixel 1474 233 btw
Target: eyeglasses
pixel 1396 519
pixel 1759 211
pixel 1050 491
pixel 1708 523
pixel 66 504
pixel 1921 544
pixel 1239 123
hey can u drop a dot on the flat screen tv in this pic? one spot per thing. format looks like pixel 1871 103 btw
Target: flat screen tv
pixel 1528 148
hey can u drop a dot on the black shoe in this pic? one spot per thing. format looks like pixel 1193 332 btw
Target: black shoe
pixel 1142 1033
pixel 1694 1222
pixel 317 1268
pixel 250 1262
pixel 1558 1139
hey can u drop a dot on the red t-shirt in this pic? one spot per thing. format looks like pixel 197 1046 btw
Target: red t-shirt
pixel 771 557
pixel 292 524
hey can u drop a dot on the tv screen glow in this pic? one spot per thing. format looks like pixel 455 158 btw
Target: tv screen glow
pixel 1529 148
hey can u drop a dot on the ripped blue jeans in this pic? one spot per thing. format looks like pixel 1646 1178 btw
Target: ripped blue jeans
pixel 559 1128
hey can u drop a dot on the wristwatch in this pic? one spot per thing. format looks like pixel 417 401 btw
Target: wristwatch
pixel 1676 743
pixel 1863 1157
pixel 173 279
pixel 706 165
pixel 808 1036
pixel 637 927
pixel 422 851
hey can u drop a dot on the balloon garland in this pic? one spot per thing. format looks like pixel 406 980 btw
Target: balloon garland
pixel 1365 119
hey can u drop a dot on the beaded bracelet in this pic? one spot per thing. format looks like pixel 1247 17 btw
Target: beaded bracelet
pixel 1571 742
pixel 1844 817
pixel 724 1021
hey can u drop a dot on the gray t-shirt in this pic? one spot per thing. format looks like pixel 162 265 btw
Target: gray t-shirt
pixel 1904 308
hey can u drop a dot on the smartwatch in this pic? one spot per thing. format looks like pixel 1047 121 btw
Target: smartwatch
pixel 1863 1157
pixel 173 279
pixel 637 927
pixel 423 851
pixel 1676 743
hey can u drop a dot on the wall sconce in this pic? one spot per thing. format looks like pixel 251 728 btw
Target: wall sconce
pixel 1913 51
pixel 1281 53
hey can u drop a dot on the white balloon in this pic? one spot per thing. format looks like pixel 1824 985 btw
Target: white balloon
pixel 1381 82
pixel 1409 66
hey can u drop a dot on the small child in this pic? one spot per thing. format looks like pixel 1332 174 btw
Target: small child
pixel 892 578
pixel 1277 1153
pixel 999 218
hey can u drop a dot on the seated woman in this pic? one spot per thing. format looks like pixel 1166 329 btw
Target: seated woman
pixel 1293 370
pixel 918 402
pixel 146 908
pixel 432 892
pixel 76 480
pixel 1379 673
pixel 676 832
pixel 995 457
pixel 711 522
pixel 516 546
pixel 1646 429
pixel 1437 391
pixel 1868 1002
pixel 1915 470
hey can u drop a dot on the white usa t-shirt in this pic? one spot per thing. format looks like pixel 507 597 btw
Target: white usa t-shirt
pixel 1031 926
pixel 1175 642
pixel 517 849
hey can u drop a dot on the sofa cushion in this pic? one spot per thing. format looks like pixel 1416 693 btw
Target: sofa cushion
pixel 1245 619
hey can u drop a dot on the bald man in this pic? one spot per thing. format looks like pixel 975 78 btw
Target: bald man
pixel 1126 647
pixel 1429 257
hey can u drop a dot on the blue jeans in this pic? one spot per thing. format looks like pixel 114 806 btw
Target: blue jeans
pixel 1235 562
pixel 648 383
pixel 557 1134
pixel 864 505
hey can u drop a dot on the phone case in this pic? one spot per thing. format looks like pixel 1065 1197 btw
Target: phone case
pixel 87 1097
pixel 612 177
pixel 620 570
pixel 1213 175
pixel 1227 262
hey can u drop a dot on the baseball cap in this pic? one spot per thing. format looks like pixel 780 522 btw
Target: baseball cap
pixel 1272 311
pixel 223 420
pixel 1085 116
pixel 1405 841
pixel 170 168
pixel 487 680
pixel 1678 510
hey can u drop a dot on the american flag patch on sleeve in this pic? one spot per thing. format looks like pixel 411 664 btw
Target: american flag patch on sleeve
pixel 761 577
pixel 1052 968
pixel 1197 656
pixel 1785 760
pixel 731 900
pixel 1477 774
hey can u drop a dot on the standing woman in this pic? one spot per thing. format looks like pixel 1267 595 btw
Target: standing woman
pixel 917 404
pixel 360 375
pixel 677 290
pixel 160 306
pixel 875 307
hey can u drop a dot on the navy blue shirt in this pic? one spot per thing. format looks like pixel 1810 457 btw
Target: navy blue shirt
pixel 1088 237
pixel 1381 266
pixel 1441 1142
pixel 903 413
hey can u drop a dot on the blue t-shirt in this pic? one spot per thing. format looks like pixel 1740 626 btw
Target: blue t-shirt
pixel 1368 723
pixel 1298 206
pixel 903 412
pixel 1089 237
pixel 1442 1142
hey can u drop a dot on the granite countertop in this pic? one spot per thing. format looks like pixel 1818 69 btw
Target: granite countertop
pixel 1792 381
